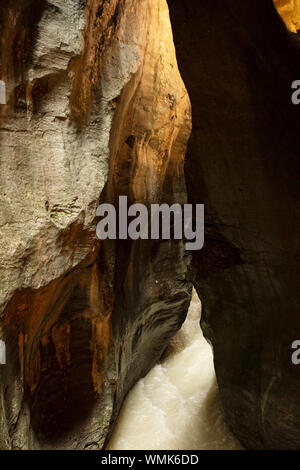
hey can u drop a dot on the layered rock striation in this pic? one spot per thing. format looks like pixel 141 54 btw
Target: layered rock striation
pixel 95 109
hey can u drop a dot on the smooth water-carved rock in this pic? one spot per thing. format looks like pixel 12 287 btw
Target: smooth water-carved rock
pixel 238 64
pixel 94 96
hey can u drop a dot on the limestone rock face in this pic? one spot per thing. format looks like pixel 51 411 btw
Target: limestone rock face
pixel 52 175
pixel 238 64
pixel 94 100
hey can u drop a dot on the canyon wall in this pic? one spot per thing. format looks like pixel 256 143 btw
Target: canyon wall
pixel 238 63
pixel 95 109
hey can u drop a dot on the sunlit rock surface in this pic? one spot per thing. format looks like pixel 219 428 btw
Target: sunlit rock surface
pixel 93 96
pixel 290 12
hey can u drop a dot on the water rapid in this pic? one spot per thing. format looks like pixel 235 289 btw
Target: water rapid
pixel 176 406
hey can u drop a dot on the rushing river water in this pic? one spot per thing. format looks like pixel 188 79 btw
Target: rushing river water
pixel 176 406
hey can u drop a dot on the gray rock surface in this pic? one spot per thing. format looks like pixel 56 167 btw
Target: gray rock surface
pixel 94 96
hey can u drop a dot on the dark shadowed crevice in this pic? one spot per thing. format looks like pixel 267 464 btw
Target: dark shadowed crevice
pixel 19 39
pixel 238 63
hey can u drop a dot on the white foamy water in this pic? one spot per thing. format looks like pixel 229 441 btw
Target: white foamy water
pixel 176 406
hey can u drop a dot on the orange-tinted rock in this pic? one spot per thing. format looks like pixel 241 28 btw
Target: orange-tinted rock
pixel 290 13
pixel 94 97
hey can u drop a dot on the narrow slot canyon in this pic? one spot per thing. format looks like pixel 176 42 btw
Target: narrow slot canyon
pixel 164 102
pixel 177 405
